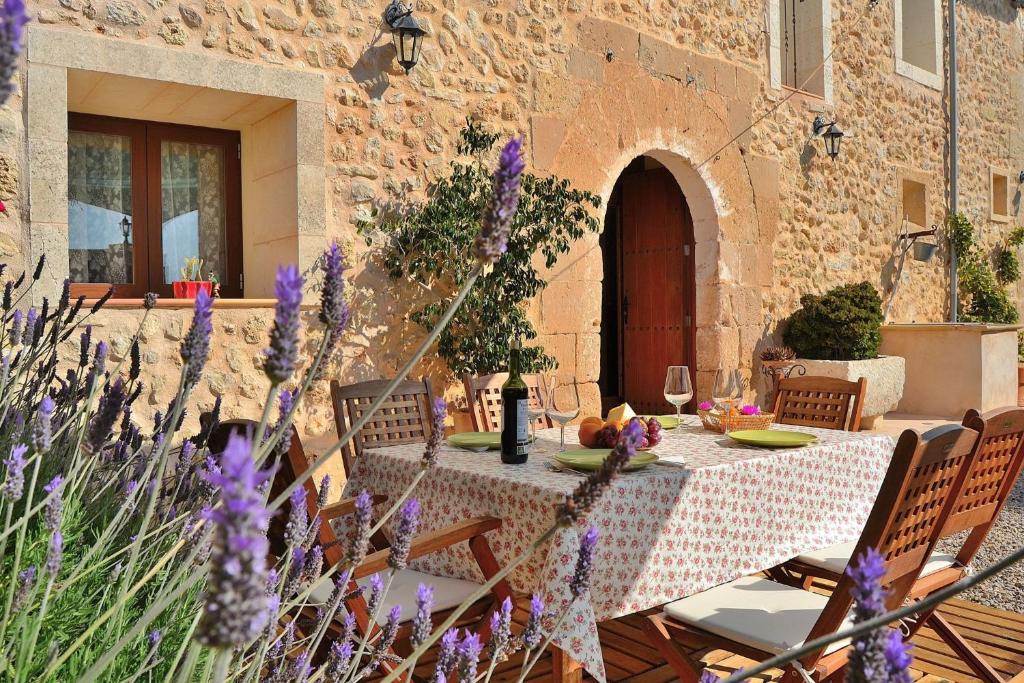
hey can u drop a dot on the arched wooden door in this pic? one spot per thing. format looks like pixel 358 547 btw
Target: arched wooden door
pixel 657 306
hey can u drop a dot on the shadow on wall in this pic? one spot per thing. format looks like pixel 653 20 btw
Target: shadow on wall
pixel 370 70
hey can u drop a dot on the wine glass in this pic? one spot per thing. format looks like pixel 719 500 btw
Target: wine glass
pixel 728 388
pixel 678 390
pixel 534 411
pixel 563 404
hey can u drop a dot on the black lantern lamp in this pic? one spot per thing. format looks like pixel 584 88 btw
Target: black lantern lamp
pixel 830 134
pixel 126 228
pixel 406 33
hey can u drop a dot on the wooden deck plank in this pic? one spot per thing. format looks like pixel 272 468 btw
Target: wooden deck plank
pixel 629 658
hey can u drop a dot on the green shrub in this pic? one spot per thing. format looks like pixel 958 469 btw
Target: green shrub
pixel 842 324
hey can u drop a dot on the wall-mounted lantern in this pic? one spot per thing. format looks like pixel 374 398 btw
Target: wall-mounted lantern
pixel 406 33
pixel 830 134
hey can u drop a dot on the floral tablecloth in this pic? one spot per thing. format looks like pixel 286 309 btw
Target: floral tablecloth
pixel 715 511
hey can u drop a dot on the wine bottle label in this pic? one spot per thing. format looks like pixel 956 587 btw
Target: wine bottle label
pixel 522 422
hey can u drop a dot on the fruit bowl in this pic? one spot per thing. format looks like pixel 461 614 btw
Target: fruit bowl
pixel 595 432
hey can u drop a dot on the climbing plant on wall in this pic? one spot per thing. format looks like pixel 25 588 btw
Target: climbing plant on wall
pixel 428 243
pixel 982 285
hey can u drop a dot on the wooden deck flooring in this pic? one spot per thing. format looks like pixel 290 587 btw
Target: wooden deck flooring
pixel 996 634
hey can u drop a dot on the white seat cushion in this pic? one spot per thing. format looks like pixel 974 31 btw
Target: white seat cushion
pixel 448 593
pixel 836 557
pixel 756 612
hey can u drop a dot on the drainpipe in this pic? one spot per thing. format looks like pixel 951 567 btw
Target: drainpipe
pixel 954 156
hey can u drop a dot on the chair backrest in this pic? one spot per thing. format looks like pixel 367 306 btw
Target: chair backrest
pixel 916 497
pixel 824 402
pixel 483 394
pixel 405 417
pixel 993 473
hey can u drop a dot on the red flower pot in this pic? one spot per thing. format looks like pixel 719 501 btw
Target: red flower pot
pixel 188 289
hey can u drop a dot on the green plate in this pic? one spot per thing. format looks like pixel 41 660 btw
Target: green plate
pixel 772 438
pixel 477 441
pixel 666 421
pixel 591 458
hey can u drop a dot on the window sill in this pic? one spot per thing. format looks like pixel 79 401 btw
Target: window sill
pixel 172 304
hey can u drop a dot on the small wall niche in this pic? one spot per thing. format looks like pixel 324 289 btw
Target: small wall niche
pixel 1000 190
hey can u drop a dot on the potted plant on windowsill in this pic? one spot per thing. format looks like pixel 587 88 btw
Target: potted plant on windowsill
pixel 838 334
pixel 192 282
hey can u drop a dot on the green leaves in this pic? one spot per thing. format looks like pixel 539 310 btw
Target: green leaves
pixel 429 243
pixel 987 300
pixel 842 324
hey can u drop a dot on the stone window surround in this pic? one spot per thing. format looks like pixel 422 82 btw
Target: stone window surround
pixel 52 52
pixel 775 49
pixel 917 176
pixel 911 71
pixel 1007 176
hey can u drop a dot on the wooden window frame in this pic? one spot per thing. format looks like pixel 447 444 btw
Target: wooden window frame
pixel 147 219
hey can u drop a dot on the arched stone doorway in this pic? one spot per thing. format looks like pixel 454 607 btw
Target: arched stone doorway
pixel 649 288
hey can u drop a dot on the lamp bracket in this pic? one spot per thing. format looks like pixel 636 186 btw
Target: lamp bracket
pixel 395 12
pixel 819 124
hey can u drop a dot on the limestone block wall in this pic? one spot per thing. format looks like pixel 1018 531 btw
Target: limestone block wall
pixel 592 85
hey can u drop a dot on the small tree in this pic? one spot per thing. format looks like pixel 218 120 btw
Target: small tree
pixel 428 243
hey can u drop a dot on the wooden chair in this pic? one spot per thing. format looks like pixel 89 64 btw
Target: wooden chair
pixel 759 618
pixel 997 462
pixel 448 592
pixel 823 402
pixel 483 394
pixel 404 418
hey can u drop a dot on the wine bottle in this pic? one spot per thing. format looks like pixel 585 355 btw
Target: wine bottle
pixel 515 422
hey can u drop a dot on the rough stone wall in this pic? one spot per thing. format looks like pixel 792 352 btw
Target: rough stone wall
pixel 684 78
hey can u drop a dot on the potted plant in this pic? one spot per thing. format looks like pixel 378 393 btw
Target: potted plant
pixel 775 360
pixel 838 334
pixel 192 282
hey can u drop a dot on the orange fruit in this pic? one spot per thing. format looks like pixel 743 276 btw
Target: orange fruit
pixel 589 428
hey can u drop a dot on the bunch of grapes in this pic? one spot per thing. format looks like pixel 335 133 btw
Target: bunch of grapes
pixel 650 431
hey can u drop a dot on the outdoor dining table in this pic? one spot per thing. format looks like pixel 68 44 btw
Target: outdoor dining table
pixel 711 511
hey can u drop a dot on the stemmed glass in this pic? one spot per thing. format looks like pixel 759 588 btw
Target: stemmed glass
pixel 678 390
pixel 563 404
pixel 534 411
pixel 728 388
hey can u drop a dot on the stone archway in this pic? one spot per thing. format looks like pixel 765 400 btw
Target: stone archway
pixel 590 130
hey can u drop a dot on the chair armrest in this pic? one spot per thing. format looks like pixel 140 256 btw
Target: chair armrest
pixel 346 506
pixel 431 542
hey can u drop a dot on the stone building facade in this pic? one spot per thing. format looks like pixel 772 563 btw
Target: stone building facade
pixel 330 124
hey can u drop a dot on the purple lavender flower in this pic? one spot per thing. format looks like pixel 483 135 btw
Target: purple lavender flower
pixel 84 345
pixel 135 367
pixel 376 593
pixel 469 650
pixel 8 296
pixel 387 637
pixel 42 433
pixel 54 503
pixel 440 414
pixel 334 311
pixel 339 660
pixel 30 326
pixel 235 599
pixel 313 565
pixel 300 668
pixel 588 491
pixel 868 652
pixel 532 632
pixel 898 658
pixel 421 623
pixel 149 300
pixel 196 345
pixel 298 519
pixel 279 363
pixel 363 522
pixel 405 529
pixel 102 424
pixel 501 631
pixel 447 655
pixel 154 638
pixel 16 319
pixel 707 677
pixel 294 579
pixel 99 361
pixel 324 492
pixel 26 581
pixel 285 401
pixel 54 554
pixel 14 481
pixel 584 564
pixel 501 209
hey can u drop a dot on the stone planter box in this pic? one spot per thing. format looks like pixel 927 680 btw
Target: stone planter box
pixel 885 376
pixel 952 367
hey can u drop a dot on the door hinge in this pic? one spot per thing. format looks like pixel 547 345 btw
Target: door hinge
pixel 239 150
pixel 686 250
pixel 687 320
pixel 241 282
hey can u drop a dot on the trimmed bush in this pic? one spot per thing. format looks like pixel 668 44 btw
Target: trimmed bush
pixel 842 324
